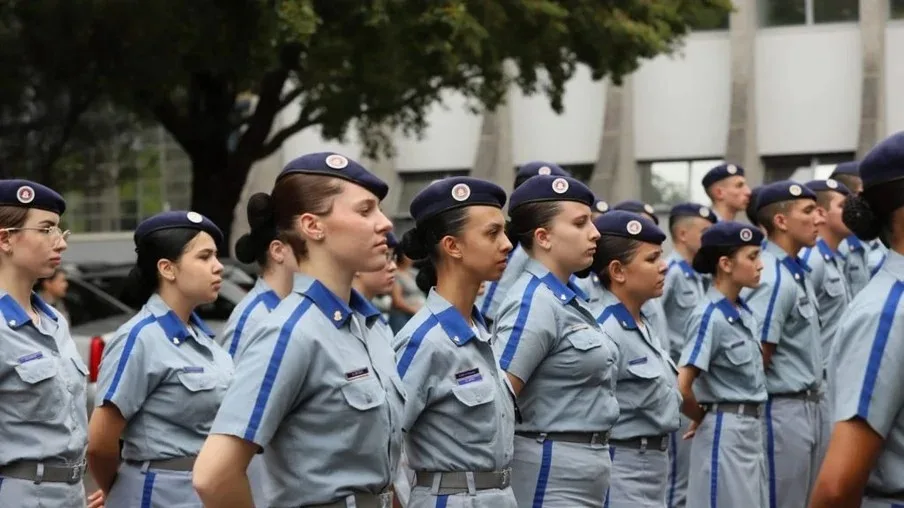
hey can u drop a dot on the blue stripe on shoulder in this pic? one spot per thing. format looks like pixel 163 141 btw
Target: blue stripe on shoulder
pixel 772 298
pixel 285 333
pixel 520 321
pixel 877 351
pixel 126 353
pixel 243 319
pixel 488 298
pixel 416 339
pixel 701 334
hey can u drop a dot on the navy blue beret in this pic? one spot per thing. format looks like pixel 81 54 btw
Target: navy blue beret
pixel 724 234
pixel 828 185
pixel 692 210
pixel 629 225
pixel 455 192
pixel 392 240
pixel 177 219
pixel 751 204
pixel 600 206
pixel 884 163
pixel 339 166
pixel 846 168
pixel 27 194
pixel 633 205
pixel 783 190
pixel 721 172
pixel 551 188
pixel 535 168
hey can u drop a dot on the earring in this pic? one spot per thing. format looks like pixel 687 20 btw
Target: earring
pixel 320 236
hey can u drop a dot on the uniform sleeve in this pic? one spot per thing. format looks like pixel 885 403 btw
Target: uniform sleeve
pixel 526 333
pixel 867 360
pixel 771 304
pixel 267 383
pixel 418 364
pixel 126 376
pixel 698 351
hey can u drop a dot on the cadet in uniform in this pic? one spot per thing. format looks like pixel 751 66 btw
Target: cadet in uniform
pixel 630 264
pixel 561 365
pixel 684 289
pixel 864 465
pixel 374 284
pixel 600 206
pixel 316 385
pixel 855 254
pixel 785 306
pixel 162 376
pixel 497 291
pixel 278 265
pixel 43 422
pixel 459 417
pixel 721 377
pixel 727 187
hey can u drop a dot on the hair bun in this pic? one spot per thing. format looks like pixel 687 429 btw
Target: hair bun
pixel 259 210
pixel 426 275
pixel 244 249
pixel 860 218
pixel 413 245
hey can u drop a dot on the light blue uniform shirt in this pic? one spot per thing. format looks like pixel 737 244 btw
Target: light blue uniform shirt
pixel 497 291
pixel 546 336
pixel 785 307
pixel 317 388
pixel 592 287
pixel 255 306
pixel 876 256
pixel 865 369
pixel 595 293
pixel 647 389
pixel 856 266
pixel 166 379
pixel 725 347
pixel 42 387
pixel 832 292
pixel 684 290
pixel 460 414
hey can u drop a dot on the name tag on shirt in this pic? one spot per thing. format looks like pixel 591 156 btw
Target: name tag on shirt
pixel 357 374
pixel 37 355
pixel 736 344
pixel 468 376
pixel 576 328
pixel 192 369
pixel 638 361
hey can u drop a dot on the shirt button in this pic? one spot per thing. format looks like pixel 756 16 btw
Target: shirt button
pixel 12 322
pixel 562 297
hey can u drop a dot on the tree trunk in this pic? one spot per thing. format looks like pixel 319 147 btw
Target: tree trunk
pixel 217 184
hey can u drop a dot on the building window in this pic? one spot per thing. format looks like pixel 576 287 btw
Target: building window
pixel 414 181
pixel 582 172
pixel 773 13
pixel 665 184
pixel 896 9
pixel 708 21
pixel 802 168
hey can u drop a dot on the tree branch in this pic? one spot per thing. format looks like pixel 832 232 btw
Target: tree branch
pixel 177 124
pixel 71 120
pixel 304 121
pixel 269 103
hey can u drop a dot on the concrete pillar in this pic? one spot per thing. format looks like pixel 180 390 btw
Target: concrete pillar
pixel 742 146
pixel 873 16
pixel 615 173
pixel 494 160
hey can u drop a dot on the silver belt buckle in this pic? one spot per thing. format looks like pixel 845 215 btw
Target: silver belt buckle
pixel 505 478
pixel 385 499
pixel 75 473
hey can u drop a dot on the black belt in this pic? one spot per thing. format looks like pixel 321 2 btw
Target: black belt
pixel 463 482
pixel 810 395
pixel 875 494
pixel 177 464
pixel 599 438
pixel 754 409
pixel 39 472
pixel 382 500
pixel 660 443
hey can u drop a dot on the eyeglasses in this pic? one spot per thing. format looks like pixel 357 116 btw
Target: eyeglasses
pixel 52 232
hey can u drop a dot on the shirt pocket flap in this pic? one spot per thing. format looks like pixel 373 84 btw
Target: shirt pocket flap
pixel 474 394
pixel 196 381
pixel 364 394
pixel 686 299
pixel 644 367
pixel 834 287
pixel 35 371
pixel 584 338
pixel 738 353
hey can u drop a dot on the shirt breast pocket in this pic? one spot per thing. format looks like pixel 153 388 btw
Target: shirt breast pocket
pixel 202 401
pixel 834 287
pixel 805 307
pixel 686 299
pixel 39 394
pixel 641 387
pixel 364 394
pixel 739 353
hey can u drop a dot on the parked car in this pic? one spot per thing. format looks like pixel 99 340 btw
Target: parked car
pixel 93 318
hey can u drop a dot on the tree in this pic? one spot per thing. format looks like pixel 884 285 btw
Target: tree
pixel 375 66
